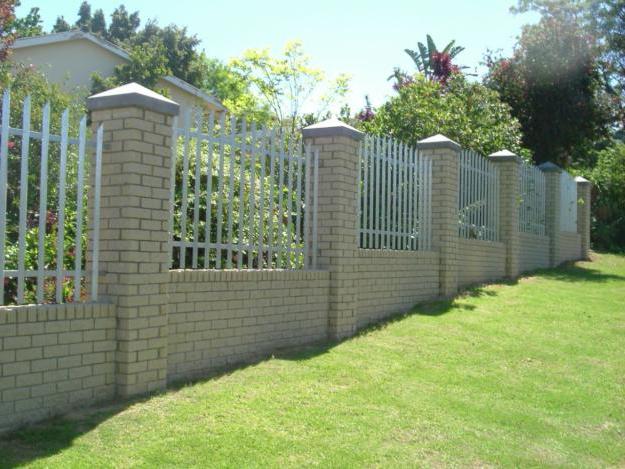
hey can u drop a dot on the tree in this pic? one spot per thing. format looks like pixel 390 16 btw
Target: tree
pixel 61 25
pixel 147 65
pixel 430 61
pixel 553 85
pixel 84 17
pixel 469 113
pixel 287 84
pixel 123 25
pixel 7 34
pixel 30 25
pixel 98 23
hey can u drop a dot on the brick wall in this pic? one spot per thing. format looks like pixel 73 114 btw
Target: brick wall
pixel 569 247
pixel 391 282
pixel 534 252
pixel 53 357
pixel 480 261
pixel 218 318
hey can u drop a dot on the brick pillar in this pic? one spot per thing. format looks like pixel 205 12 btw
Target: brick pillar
pixel 337 217
pixel 552 214
pixel 509 166
pixel 445 166
pixel 584 187
pixel 134 254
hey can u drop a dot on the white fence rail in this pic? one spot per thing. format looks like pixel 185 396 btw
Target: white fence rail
pixel 43 219
pixel 395 196
pixel 568 203
pixel 478 197
pixel 532 205
pixel 243 197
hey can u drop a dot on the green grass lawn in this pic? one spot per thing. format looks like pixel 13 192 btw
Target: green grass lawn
pixel 530 374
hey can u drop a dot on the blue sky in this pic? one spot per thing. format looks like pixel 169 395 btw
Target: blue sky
pixel 364 39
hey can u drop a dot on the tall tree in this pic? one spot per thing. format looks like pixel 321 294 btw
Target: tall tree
pixel 7 34
pixel 61 25
pixel 84 17
pixel 30 25
pixel 289 83
pixel 553 85
pixel 123 25
pixel 98 23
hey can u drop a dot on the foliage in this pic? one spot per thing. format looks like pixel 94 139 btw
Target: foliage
pixel 27 81
pixel 608 200
pixel 123 25
pixel 147 65
pixel 523 375
pixel 61 25
pixel 554 88
pixel 287 84
pixel 7 33
pixel 435 64
pixel 466 112
pixel 30 25
pixel 233 90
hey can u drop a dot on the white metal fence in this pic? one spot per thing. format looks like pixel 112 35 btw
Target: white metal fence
pixel 478 197
pixel 395 196
pixel 532 205
pixel 243 197
pixel 43 217
pixel 568 203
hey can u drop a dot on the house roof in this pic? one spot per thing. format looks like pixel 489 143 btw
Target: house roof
pixel 54 38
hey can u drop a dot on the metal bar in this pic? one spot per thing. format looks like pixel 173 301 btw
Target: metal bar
pixel 172 187
pixel 298 200
pixel 21 249
pixel 280 204
pixel 231 189
pixel 261 211
pixel 220 188
pixel 80 184
pixel 96 215
pixel 315 208
pixel 242 158
pixel 272 183
pixel 289 206
pixel 185 183
pixel 196 192
pixel 43 200
pixel 252 197
pixel 209 189
pixel 4 157
pixel 60 236
pixel 307 206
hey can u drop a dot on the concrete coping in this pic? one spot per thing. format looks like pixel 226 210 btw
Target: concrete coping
pixel 504 155
pixel 582 180
pixel 133 95
pixel 438 142
pixel 549 167
pixel 332 128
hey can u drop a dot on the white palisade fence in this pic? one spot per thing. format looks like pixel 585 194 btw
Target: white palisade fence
pixel 532 206
pixel 243 198
pixel 478 197
pixel 395 196
pixel 43 222
pixel 568 203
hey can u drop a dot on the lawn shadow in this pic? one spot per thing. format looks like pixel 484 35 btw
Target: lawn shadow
pixel 573 273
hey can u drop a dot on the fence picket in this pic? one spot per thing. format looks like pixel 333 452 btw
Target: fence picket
pixel 21 250
pixel 4 157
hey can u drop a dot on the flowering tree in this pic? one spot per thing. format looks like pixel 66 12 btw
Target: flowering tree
pixel 7 34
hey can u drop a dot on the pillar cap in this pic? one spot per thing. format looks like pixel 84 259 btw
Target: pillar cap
pixel 332 128
pixel 549 167
pixel 582 180
pixel 504 155
pixel 133 95
pixel 438 142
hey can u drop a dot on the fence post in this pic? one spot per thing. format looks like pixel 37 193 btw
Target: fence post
pixel 134 254
pixel 552 209
pixel 584 187
pixel 337 218
pixel 509 195
pixel 445 154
